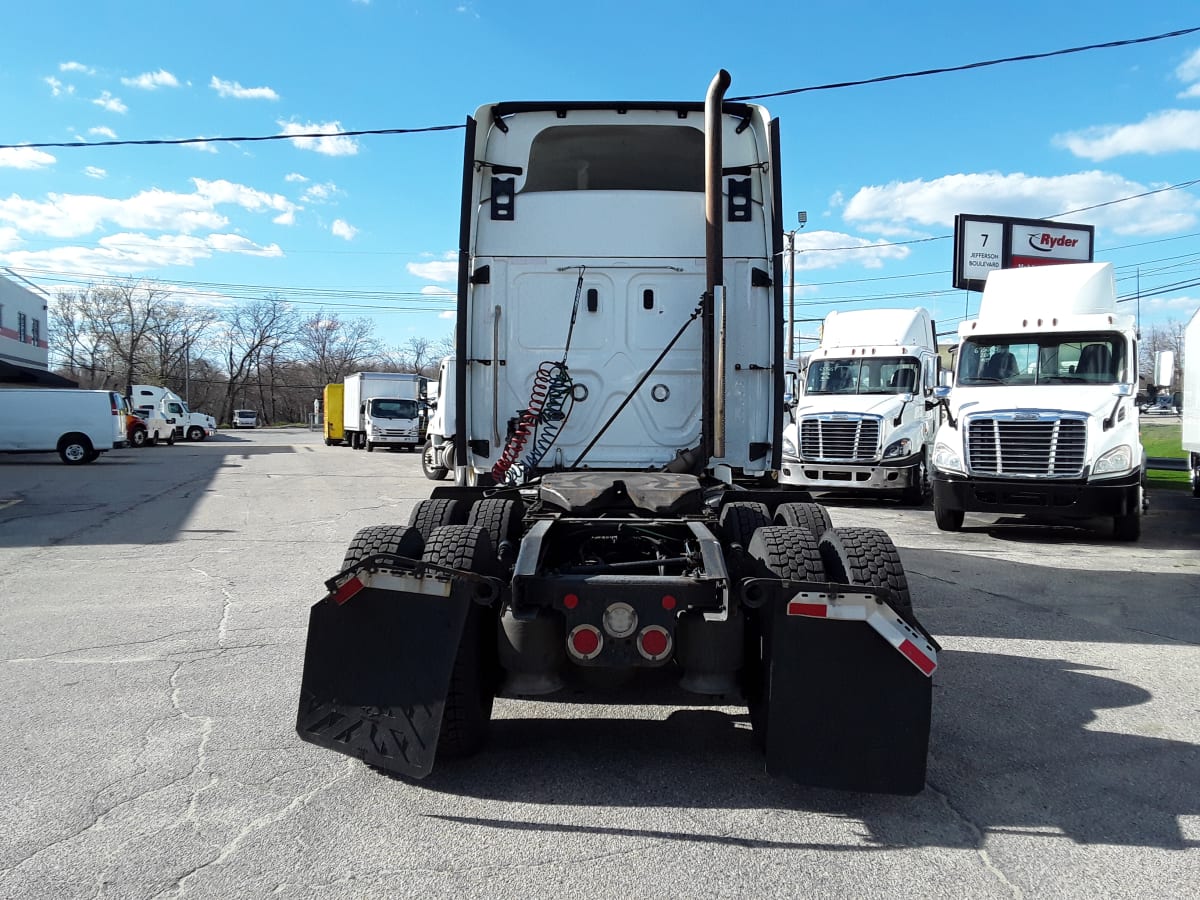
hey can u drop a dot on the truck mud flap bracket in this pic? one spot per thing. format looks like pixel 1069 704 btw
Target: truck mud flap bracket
pixel 849 692
pixel 377 664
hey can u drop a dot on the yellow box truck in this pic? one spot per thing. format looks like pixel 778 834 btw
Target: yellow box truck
pixel 333 415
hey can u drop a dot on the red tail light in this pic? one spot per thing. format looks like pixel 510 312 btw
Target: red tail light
pixel 585 641
pixel 654 642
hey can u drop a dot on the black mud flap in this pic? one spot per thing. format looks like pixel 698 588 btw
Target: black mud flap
pixel 848 709
pixel 377 668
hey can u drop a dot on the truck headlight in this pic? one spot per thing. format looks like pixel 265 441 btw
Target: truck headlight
pixel 1118 459
pixel 375 429
pixel 789 447
pixel 947 459
pixel 902 447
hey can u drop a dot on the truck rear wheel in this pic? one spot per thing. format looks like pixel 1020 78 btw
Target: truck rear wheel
pixel 76 449
pixel 472 692
pixel 429 515
pixel 501 519
pixel 402 540
pixel 781 551
pixel 805 515
pixel 947 519
pixel 430 462
pixel 740 519
pixel 868 557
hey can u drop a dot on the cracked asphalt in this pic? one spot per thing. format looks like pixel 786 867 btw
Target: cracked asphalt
pixel 154 616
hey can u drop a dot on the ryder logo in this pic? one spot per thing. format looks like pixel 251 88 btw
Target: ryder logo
pixel 1045 242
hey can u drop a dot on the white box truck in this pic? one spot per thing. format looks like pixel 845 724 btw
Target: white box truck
pixel 864 419
pixel 1191 399
pixel 77 425
pixel 383 409
pixel 1042 417
pixel 194 426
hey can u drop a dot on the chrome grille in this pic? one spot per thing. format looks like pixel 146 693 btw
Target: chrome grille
pixel 1033 444
pixel 839 439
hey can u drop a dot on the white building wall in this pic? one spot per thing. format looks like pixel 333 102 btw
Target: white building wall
pixel 23 322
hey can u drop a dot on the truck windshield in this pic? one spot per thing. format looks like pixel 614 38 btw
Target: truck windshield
pixel 1068 358
pixel 394 409
pixel 877 375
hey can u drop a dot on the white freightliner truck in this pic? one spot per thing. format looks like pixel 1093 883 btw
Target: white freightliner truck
pixel 1042 418
pixel 437 456
pixel 383 409
pixel 864 419
pixel 1191 399
pixel 192 426
pixel 615 515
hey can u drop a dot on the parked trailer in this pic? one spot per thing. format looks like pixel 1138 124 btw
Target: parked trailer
pixel 78 425
pixel 598 334
pixel 334 427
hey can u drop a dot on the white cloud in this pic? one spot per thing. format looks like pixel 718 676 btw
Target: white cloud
pixel 150 81
pixel 285 218
pixel 1163 132
pixel 295 177
pixel 321 193
pixel 9 238
pixel 95 172
pixel 25 158
pixel 76 67
pixel 103 131
pixel 1189 70
pixel 203 146
pixel 870 254
pixel 76 215
pixel 237 92
pixel 111 103
pixel 121 254
pixel 328 146
pixel 343 229
pixel 934 203
pixel 448 314
pixel 443 270
pixel 55 85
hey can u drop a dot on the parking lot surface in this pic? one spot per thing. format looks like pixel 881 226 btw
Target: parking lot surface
pixel 154 614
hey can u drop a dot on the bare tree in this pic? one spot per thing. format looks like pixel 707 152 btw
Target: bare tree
pixel 334 348
pixel 253 331
pixel 1167 336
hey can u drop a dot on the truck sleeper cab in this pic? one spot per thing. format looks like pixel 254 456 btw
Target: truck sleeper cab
pixel 617 398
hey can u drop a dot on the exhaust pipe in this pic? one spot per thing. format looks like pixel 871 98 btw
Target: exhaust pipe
pixel 712 431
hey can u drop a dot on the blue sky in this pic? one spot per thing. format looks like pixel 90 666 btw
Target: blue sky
pixel 365 226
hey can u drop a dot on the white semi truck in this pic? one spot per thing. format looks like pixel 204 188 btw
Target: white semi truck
pixel 1042 417
pixel 615 517
pixel 437 456
pixel 865 419
pixel 192 426
pixel 1191 399
pixel 383 409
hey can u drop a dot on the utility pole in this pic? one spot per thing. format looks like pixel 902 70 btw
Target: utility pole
pixel 802 216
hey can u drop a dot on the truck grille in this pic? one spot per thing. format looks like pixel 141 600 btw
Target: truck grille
pixel 1035 444
pixel 839 438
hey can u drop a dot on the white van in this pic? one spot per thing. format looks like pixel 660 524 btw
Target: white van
pixel 245 418
pixel 77 425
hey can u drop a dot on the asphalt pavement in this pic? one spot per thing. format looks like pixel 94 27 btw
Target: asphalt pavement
pixel 155 609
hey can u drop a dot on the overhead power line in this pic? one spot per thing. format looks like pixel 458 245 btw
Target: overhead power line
pixel 1025 57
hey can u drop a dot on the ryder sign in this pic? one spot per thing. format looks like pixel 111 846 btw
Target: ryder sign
pixel 984 243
